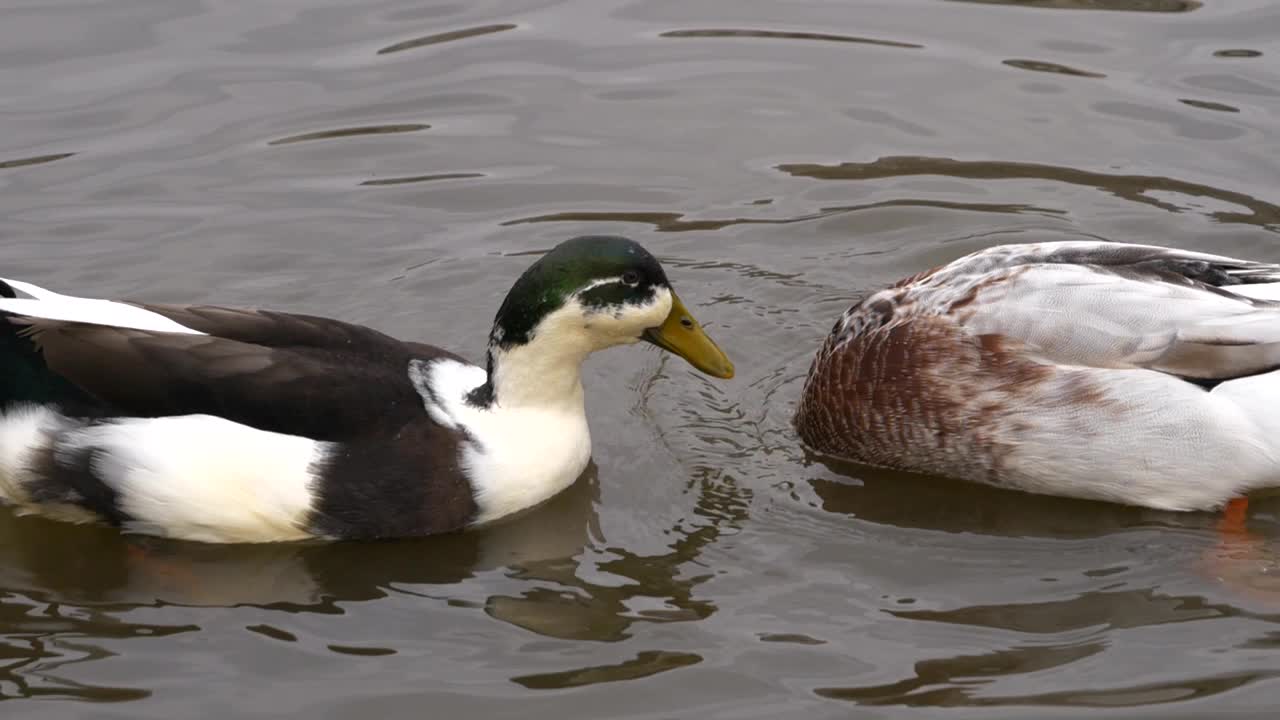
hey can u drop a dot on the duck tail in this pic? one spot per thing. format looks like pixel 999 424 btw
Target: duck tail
pixel 35 476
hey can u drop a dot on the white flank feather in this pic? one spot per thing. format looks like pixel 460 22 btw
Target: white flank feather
pixel 200 477
pixel 22 430
pixel 1157 441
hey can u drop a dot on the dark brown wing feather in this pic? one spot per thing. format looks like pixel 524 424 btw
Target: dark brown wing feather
pixel 278 329
pixel 295 374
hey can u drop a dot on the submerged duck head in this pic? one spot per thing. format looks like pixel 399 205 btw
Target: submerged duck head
pixel 591 293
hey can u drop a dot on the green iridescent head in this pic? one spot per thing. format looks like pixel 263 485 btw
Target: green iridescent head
pixel 614 292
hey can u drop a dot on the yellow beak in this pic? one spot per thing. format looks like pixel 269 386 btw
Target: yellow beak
pixel 682 335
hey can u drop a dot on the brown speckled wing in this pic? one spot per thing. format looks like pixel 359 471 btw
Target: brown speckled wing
pixel 916 393
pixel 882 395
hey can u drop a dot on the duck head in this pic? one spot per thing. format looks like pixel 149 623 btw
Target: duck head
pixel 587 294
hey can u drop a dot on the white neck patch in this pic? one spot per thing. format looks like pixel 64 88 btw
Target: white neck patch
pixel 515 457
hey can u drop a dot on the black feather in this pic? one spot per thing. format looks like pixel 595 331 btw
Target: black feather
pixel 25 378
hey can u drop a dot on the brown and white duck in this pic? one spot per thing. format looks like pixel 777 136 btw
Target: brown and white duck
pixel 1125 373
pixel 225 425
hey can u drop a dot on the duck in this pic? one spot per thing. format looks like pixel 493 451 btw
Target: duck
pixel 241 425
pixel 1126 373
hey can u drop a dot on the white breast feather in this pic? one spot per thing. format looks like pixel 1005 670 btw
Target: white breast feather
pixel 518 457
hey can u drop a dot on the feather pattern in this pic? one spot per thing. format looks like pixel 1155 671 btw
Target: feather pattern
pixel 1087 369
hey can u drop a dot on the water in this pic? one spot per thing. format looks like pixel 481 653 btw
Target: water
pixel 397 163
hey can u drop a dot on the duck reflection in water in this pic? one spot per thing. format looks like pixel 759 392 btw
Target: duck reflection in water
pixel 59 580
pixel 1033 636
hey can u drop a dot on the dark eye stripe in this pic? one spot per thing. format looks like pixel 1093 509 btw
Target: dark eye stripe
pixel 616 293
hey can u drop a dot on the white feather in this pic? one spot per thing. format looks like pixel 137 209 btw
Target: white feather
pixel 23 430
pixel 200 477
pixel 1151 439
pixel 1260 291
pixel 1080 315
pixel 49 305
pixel 615 280
pixel 518 456
pixel 1157 441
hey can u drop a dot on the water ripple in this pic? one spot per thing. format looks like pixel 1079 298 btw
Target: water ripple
pixel 421 178
pixel 1237 53
pixel 1159 6
pixel 351 132
pixel 782 35
pixel 1209 105
pixel 1049 67
pixel 676 222
pixel 445 37
pixel 953 682
pixel 37 160
pixel 1127 187
pixel 644 664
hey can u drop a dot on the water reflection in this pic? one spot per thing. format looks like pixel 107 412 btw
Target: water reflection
pixel 1134 188
pixel 38 160
pixel 1209 105
pixel 952 506
pixel 445 37
pixel 958 682
pixel 677 222
pixel 781 35
pixel 1050 67
pixel 953 681
pixel 63 587
pixel 882 588
pixel 644 664
pixel 40 637
pixel 1051 634
pixel 1243 563
pixel 1163 6
pixel 421 178
pixel 579 609
pixel 1237 53
pixel 1096 611
pixel 350 132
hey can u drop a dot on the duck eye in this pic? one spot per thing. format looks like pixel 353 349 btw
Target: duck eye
pixel 631 277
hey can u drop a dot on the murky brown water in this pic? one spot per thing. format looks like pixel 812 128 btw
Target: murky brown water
pixel 396 163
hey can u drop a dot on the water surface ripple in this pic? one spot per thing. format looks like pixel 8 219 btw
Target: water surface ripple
pixel 398 163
